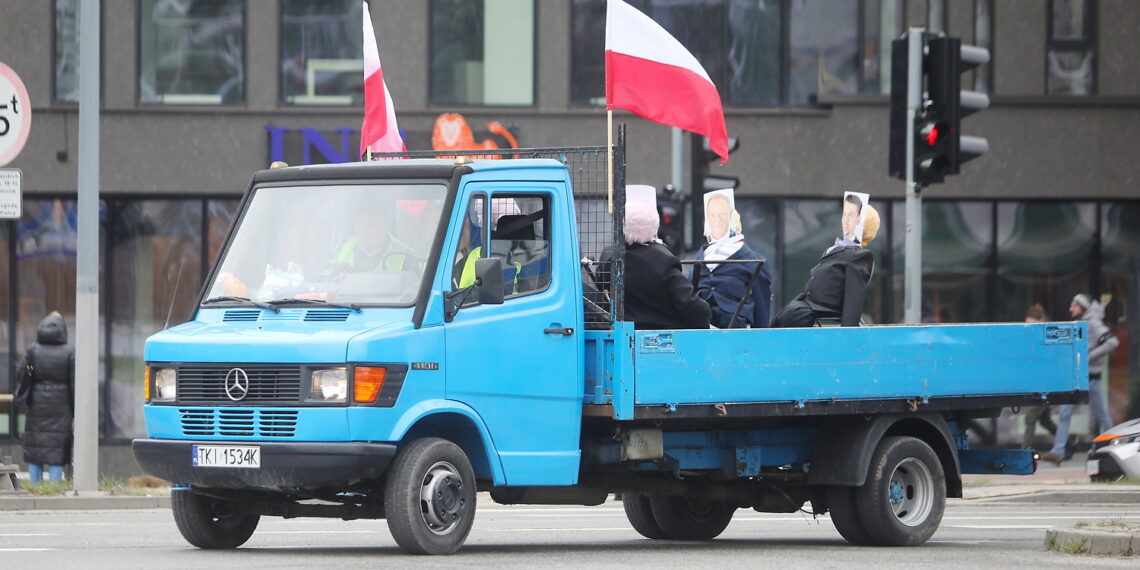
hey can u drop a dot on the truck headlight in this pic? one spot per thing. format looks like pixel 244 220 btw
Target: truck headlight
pixel 330 385
pixel 165 385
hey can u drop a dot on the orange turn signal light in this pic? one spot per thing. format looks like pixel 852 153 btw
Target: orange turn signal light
pixel 146 384
pixel 1106 437
pixel 366 382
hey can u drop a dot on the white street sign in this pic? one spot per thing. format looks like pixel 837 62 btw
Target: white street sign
pixel 15 114
pixel 11 193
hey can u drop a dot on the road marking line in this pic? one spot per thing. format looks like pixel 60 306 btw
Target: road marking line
pixel 26 549
pixel 30 534
pixel 1000 526
pixel 315 532
pixel 626 528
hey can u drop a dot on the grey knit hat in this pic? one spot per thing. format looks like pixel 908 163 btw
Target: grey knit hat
pixel 1083 300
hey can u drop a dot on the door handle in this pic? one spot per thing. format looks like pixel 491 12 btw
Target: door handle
pixel 566 331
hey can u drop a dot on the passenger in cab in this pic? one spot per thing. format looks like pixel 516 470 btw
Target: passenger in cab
pixel 657 294
pixel 838 283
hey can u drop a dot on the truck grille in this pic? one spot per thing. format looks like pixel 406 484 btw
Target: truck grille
pixel 238 423
pixel 267 383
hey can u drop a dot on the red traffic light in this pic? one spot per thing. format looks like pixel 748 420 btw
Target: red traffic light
pixel 931 136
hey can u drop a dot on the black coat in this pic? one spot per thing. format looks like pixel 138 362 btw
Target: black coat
pixel 50 368
pixel 838 284
pixel 724 286
pixel 657 294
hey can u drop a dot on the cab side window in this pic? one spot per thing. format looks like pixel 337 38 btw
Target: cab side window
pixel 471 239
pixel 520 237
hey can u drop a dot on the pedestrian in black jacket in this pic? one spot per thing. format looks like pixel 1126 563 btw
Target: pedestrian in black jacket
pixel 657 294
pixel 47 385
pixel 838 284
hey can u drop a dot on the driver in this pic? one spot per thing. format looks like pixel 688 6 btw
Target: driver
pixel 372 247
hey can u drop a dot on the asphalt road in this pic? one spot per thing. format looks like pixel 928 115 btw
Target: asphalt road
pixel 978 535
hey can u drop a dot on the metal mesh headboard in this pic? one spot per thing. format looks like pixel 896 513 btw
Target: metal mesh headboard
pixel 599 230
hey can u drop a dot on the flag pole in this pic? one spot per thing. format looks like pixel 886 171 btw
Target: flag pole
pixel 610 161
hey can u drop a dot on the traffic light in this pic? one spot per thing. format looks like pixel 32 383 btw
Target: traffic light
pixel 671 209
pixel 939 146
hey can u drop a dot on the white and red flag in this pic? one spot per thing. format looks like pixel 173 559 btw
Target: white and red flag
pixel 651 74
pixel 379 132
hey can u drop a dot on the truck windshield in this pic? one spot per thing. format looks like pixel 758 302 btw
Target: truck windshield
pixel 348 244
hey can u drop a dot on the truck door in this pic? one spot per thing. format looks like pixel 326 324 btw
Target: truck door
pixel 517 364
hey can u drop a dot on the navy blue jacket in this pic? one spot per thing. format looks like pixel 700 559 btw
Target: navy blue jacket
pixel 724 286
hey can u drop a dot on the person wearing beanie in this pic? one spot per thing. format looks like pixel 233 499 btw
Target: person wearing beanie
pixel 1101 343
pixel 657 294
pixel 837 286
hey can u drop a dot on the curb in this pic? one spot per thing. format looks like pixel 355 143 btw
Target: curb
pixel 25 502
pixel 1100 543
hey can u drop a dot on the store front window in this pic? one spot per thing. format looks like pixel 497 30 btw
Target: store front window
pixel 482 52
pixel 1120 295
pixel 321 43
pixel 192 52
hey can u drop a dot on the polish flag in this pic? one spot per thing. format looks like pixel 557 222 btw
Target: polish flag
pixel 379 131
pixel 651 74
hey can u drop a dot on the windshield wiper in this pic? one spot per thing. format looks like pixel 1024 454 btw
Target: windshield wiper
pixel 351 306
pixel 230 299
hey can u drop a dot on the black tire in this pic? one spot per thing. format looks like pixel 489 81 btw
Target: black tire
pixel 845 515
pixel 639 511
pixel 429 497
pixel 902 502
pixel 690 519
pixel 210 523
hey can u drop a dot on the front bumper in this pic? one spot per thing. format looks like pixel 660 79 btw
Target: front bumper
pixel 284 466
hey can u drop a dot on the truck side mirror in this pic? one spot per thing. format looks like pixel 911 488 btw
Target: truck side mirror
pixel 489 276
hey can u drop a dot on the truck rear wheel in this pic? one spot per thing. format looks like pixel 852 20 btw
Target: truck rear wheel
pixel 639 511
pixel 681 518
pixel 902 502
pixel 845 515
pixel 429 497
pixel 210 523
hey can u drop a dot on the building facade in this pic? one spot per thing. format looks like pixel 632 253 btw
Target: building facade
pixel 198 94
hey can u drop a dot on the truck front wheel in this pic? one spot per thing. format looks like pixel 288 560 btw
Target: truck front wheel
pixel 690 519
pixel 210 523
pixel 902 502
pixel 429 497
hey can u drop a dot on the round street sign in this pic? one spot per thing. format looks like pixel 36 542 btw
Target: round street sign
pixel 15 114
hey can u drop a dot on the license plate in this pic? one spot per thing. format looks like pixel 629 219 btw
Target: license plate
pixel 226 456
pixel 1092 467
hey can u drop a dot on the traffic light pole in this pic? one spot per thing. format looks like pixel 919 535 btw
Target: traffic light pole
pixel 912 276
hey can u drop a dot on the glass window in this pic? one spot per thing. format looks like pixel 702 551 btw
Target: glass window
pixel 470 247
pixel 371 250
pixel 519 237
pixel 156 255
pixel 882 22
pixel 1120 295
pixel 321 47
pixel 755 53
pixel 1045 255
pixel 192 52
pixel 67 51
pixel 1071 48
pixel 957 239
pixel 482 52
pixel 822 53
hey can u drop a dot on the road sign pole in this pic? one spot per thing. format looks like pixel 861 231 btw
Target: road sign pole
pixel 86 448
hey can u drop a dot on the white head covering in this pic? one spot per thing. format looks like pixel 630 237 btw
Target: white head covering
pixel 641 222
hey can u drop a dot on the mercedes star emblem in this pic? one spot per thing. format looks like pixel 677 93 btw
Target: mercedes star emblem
pixel 237 384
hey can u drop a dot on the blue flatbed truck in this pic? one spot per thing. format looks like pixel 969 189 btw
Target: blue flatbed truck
pixel 306 386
